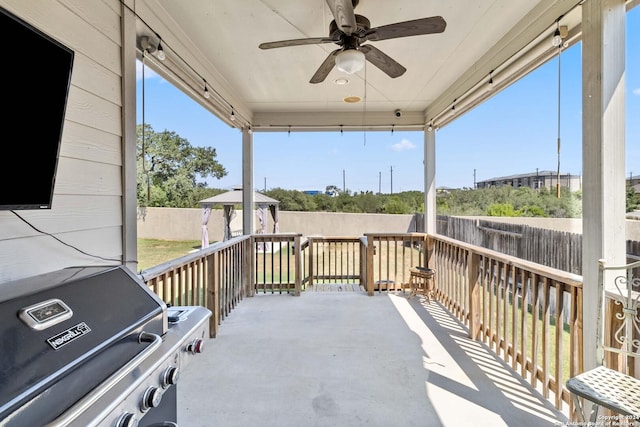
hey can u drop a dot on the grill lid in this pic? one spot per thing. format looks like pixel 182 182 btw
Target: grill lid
pixel 53 324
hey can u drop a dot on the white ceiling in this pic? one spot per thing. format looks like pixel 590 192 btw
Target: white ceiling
pixel 217 41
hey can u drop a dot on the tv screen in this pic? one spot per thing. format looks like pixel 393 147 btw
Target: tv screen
pixel 35 74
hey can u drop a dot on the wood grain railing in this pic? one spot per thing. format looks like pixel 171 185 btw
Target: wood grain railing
pixel 530 315
pixel 214 277
pixel 389 258
pixel 333 260
pixel 277 265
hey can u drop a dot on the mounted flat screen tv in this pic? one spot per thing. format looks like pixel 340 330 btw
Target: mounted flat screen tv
pixel 35 75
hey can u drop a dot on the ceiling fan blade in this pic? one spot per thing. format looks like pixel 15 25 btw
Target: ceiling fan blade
pixel 382 61
pixel 325 68
pixel 296 42
pixel 344 15
pixel 416 27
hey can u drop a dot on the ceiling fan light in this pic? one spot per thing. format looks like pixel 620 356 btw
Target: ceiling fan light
pixel 350 61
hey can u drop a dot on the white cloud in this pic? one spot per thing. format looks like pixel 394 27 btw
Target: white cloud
pixel 636 91
pixel 403 145
pixel 148 72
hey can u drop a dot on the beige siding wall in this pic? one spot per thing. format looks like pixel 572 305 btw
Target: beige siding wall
pixel 87 206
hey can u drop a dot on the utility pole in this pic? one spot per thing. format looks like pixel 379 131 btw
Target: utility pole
pixel 474 180
pixel 265 183
pixel 391 179
pixel 379 182
pixel 344 182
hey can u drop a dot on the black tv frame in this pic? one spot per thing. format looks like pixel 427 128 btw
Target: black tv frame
pixel 36 73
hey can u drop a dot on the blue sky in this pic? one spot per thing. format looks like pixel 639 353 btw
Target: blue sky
pixel 514 132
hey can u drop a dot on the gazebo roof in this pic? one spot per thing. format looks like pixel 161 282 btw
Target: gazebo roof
pixel 234 197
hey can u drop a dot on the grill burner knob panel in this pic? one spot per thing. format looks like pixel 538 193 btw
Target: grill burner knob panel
pixel 127 420
pixel 151 399
pixel 196 346
pixel 169 377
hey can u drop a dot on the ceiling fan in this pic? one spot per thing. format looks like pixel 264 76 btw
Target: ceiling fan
pixel 350 31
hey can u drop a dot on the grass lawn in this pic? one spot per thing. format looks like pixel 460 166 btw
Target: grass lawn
pixel 152 252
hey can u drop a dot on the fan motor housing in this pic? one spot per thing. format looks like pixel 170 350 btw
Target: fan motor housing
pixel 363 25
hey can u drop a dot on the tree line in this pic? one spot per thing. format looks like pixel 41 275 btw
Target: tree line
pixel 172 173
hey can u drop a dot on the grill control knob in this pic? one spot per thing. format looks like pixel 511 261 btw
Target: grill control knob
pixel 151 398
pixel 127 420
pixel 196 346
pixel 169 377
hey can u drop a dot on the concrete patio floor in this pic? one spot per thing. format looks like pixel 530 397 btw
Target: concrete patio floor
pixel 347 359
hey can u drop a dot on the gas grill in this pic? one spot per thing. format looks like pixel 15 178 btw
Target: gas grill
pixel 92 346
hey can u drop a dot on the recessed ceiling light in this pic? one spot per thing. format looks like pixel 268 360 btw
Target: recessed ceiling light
pixel 341 81
pixel 352 99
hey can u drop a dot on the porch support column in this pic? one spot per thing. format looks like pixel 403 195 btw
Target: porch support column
pixel 603 152
pixel 247 181
pixel 429 181
pixel 129 141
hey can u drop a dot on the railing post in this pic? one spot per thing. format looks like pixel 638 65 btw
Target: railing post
pixel 311 250
pixel 370 245
pixel 473 276
pixel 213 303
pixel 298 264
pixel 363 261
pixel 249 272
pixel 429 251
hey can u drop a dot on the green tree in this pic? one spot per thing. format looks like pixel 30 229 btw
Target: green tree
pixel 633 199
pixel 395 205
pixel 170 169
pixel 501 209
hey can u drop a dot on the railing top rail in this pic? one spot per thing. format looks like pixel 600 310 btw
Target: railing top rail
pixel 570 279
pixel 333 238
pixel 395 235
pixel 277 236
pixel 160 269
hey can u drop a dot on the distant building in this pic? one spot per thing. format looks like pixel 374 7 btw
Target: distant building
pixel 330 192
pixel 535 180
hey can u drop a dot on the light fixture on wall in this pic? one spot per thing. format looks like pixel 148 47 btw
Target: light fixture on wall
pixel 206 93
pixel 350 61
pixel 146 46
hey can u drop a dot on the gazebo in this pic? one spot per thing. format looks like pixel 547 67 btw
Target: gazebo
pixel 229 200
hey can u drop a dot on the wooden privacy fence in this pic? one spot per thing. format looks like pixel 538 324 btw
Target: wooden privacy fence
pixel 556 249
pixel 517 308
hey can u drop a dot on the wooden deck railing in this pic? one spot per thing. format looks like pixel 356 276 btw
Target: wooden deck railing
pixel 389 258
pixel 333 260
pixel 214 277
pixel 277 265
pixel 528 314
